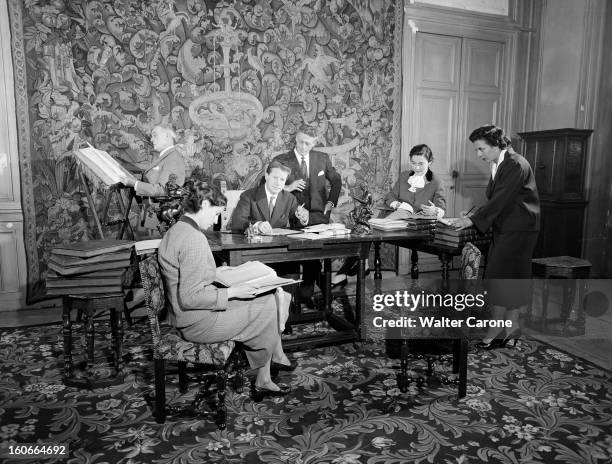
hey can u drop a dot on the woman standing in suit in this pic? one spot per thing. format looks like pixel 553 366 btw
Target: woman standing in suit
pixel 205 313
pixel 512 210
pixel 417 190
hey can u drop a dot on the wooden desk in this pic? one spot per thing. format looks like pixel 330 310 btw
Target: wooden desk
pixel 236 249
pixel 443 252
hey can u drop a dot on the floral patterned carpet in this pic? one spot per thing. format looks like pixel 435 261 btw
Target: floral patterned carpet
pixel 527 404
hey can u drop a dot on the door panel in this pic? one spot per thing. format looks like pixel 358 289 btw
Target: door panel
pixel 435 125
pixel 438 61
pixel 10 233
pixel 483 63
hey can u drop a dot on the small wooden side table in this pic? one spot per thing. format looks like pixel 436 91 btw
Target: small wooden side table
pixel 90 305
pixel 564 267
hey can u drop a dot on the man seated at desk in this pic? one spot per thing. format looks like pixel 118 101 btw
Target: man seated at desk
pixel 268 206
pixel 310 171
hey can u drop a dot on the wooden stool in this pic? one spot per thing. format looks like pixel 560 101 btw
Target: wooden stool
pixel 89 305
pixel 564 267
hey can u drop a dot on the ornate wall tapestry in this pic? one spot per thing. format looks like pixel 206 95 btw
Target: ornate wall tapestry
pixel 234 78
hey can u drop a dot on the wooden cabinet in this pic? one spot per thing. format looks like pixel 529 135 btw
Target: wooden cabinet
pixel 558 160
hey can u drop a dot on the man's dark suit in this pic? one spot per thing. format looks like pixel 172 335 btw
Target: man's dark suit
pixel 314 196
pixel 253 207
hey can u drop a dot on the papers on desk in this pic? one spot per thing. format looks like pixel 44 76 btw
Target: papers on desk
pixel 278 231
pixel 306 236
pixel 254 273
pixel 324 227
pixel 320 231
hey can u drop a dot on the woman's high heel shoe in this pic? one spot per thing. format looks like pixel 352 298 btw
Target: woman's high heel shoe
pixel 259 393
pixel 510 338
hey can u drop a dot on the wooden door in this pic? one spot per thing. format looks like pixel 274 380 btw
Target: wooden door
pixel 457 85
pixel 480 102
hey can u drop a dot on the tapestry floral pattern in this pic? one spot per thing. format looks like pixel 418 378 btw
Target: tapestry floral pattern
pixel 234 78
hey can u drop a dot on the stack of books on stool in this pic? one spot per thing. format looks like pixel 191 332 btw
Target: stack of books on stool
pixel 451 237
pixel 86 268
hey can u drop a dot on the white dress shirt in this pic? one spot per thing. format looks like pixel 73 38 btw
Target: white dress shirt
pixel 495 164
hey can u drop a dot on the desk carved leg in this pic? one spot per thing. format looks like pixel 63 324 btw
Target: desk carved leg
pixel 377 262
pixel 89 335
pixel 545 291
pixel 463 354
pixel 327 285
pixel 360 300
pixel 67 327
pixel 402 381
pixel 414 269
pixel 445 259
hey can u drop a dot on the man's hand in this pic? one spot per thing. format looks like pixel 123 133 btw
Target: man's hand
pixel 298 184
pixel 245 292
pixel 328 207
pixel 264 227
pixel 302 214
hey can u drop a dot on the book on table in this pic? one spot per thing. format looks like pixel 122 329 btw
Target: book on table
pixel 147 246
pixel 403 214
pixel 78 281
pixel 102 165
pixel 92 248
pixel 84 290
pixel 74 270
pixel 68 261
pixel 253 273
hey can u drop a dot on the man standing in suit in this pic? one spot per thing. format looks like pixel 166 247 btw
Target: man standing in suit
pixel 269 206
pixel 310 169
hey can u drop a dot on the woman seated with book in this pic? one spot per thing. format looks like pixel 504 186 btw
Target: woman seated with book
pixel 205 313
pixel 417 190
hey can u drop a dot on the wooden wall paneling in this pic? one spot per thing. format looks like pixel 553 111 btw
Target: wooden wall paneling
pixel 12 252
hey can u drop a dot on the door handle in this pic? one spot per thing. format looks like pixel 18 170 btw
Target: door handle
pixel 455 174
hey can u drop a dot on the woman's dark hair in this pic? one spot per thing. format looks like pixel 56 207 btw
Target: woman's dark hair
pixel 492 135
pixel 424 151
pixel 200 191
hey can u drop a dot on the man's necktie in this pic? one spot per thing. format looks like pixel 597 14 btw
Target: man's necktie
pixel 271 205
pixel 304 167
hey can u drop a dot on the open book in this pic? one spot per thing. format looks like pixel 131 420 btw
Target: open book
pixel 263 278
pixel 405 214
pixel 102 165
